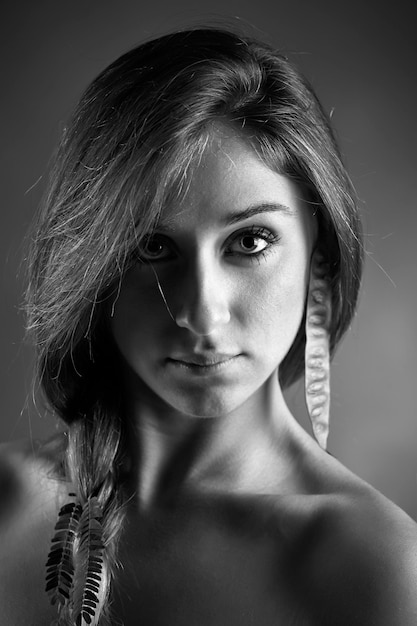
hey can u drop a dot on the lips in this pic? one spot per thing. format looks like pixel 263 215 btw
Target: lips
pixel 203 360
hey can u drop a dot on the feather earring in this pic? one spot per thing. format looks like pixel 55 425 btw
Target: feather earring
pixel 74 570
pixel 317 351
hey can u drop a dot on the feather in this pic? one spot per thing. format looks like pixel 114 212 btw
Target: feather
pixel 87 594
pixel 60 565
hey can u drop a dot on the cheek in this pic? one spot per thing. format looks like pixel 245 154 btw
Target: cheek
pixel 136 315
pixel 274 307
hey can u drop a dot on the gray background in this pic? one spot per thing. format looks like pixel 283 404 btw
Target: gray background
pixel 360 56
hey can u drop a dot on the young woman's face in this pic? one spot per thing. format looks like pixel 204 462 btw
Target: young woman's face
pixel 210 310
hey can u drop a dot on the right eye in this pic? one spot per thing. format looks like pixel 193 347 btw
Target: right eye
pixel 155 248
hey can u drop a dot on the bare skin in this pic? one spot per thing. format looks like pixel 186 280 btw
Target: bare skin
pixel 336 553
pixel 236 515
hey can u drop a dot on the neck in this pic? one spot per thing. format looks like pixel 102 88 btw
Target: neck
pixel 253 449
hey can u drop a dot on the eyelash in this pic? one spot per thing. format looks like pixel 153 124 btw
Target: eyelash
pixel 256 232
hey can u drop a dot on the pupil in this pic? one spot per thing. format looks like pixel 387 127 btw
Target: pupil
pixel 153 247
pixel 248 242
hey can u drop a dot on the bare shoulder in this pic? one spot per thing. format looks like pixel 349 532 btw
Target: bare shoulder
pixel 27 480
pixel 377 559
pixel 30 498
pixel 359 556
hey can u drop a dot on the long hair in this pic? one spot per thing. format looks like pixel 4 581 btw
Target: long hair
pixel 125 153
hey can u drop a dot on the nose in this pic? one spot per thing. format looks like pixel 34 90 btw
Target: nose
pixel 204 300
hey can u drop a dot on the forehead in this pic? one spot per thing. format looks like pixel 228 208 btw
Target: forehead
pixel 228 178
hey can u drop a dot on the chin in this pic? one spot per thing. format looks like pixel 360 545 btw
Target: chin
pixel 204 406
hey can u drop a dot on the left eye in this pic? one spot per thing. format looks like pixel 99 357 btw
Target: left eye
pixel 251 243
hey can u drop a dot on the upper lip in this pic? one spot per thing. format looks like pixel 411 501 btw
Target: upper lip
pixel 211 358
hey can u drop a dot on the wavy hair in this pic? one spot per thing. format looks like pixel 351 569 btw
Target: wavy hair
pixel 124 154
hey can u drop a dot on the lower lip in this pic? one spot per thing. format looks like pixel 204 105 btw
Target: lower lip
pixel 202 370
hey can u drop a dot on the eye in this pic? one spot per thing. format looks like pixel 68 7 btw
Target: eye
pixel 252 242
pixel 155 248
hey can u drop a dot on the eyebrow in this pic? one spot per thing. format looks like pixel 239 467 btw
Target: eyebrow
pixel 250 211
pixel 256 209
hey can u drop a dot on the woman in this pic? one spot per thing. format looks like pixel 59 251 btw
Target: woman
pixel 198 250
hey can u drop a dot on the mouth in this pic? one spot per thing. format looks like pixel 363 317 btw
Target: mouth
pixel 203 363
